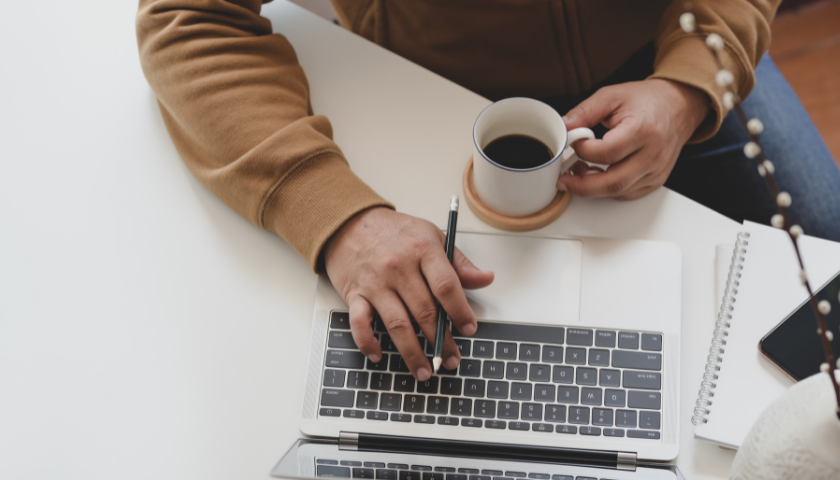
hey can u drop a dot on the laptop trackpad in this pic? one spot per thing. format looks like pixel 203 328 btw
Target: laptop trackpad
pixel 537 279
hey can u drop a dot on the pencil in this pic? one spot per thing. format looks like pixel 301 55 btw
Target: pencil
pixel 440 334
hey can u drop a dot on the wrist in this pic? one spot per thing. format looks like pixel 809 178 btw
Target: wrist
pixel 696 103
pixel 346 229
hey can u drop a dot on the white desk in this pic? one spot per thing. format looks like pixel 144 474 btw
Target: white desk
pixel 146 331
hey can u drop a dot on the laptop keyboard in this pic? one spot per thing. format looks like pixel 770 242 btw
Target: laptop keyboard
pixel 403 471
pixel 537 378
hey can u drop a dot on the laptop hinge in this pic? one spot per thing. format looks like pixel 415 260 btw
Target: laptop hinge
pixel 348 441
pixel 626 461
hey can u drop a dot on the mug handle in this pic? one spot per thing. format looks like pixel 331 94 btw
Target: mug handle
pixel 569 155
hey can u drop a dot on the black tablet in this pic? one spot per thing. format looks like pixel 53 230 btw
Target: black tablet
pixel 794 345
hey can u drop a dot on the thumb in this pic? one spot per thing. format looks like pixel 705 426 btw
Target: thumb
pixel 471 277
pixel 591 111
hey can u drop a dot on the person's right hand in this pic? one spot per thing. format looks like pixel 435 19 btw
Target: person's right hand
pixel 395 264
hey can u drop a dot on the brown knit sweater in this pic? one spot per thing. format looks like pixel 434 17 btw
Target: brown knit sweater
pixel 236 101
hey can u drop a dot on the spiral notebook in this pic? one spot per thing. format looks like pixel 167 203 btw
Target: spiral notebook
pixel 760 288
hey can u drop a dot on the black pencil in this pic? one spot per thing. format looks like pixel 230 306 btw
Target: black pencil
pixel 440 334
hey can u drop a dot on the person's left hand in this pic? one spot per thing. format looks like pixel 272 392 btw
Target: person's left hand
pixel 649 123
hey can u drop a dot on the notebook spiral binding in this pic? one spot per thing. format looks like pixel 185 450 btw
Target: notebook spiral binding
pixel 724 319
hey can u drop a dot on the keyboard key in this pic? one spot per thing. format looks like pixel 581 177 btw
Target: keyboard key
pixel 409 475
pixel 651 435
pixel 519 426
pixel 404 383
pixel 381 381
pixel 485 408
pixel 508 410
pixel 345 359
pixel 421 467
pixel 390 402
pixel 398 466
pixel 599 357
pixel 397 364
pixel 374 465
pixel 495 424
pixel 576 356
pixel 335 472
pixel 367 400
pixel 381 365
pixel 432 475
pixel 563 375
pixel 568 429
pixel 516 474
pixel 539 476
pixel 450 386
pixel 567 395
pixel 542 427
pixel 438 406
pixel 470 368
pixel 647 400
pixel 520 391
pixel 456 476
pixel 351 463
pixel 609 378
pixel 594 431
pixel 540 373
pixel 474 388
pixel 498 390
pixel 646 380
pixel 424 419
pixel 586 376
pixel 357 379
pixel 511 332
pixel 463 346
pixel 337 398
pixel 330 412
pixel 326 462
pixel 341 339
pixel 506 351
pixel 637 360
pixel 470 422
pixel 555 413
pixel 625 418
pixel 493 369
pixel 377 416
pixel 429 386
pixel 591 396
pixel 468 470
pixel 517 371
pixel 448 421
pixel 579 336
pixel 494 473
pixel 383 474
pixel 532 412
pixel 605 338
pixel 444 371
pixel 334 378
pixel 613 432
pixel 461 407
pixel 482 349
pixel 445 469
pixel 400 417
pixel 353 414
pixel 544 393
pixel 479 477
pixel 652 342
pixel 579 415
pixel 615 398
pixel 387 344
pixel 649 420
pixel 628 340
pixel 414 404
pixel 602 417
pixel 378 324
pixel 340 320
pixel 552 354
pixel 562 477
pixel 529 353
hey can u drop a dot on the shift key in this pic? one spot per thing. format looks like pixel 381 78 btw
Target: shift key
pixel 637 360
pixel 345 359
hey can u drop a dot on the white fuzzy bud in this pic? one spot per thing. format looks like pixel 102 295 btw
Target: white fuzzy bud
pixel 796 231
pixel 768 165
pixel 778 221
pixel 803 277
pixel 824 307
pixel 824 367
pixel 715 42
pixel 751 150
pixel 755 126
pixel 729 100
pixel 829 335
pixel 687 22
pixel 761 170
pixel 724 78
pixel 783 199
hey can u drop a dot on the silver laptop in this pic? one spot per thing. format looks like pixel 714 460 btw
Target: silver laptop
pixel 576 357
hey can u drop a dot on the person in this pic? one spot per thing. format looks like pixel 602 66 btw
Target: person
pixel 235 102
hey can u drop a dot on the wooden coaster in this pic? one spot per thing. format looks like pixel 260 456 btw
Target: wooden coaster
pixel 512 224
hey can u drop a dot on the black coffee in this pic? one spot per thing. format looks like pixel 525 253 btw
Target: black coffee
pixel 518 151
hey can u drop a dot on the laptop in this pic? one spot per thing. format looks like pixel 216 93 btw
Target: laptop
pixel 575 362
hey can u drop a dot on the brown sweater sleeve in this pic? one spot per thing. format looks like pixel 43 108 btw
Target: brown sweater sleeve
pixel 684 57
pixel 236 104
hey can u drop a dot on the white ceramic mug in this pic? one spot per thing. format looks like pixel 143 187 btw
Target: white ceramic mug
pixel 516 192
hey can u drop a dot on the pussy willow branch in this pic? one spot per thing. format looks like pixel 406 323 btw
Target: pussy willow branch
pixel 822 329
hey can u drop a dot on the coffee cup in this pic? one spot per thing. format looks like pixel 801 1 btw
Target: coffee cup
pixel 532 148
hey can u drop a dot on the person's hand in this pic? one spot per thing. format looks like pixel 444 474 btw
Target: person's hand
pixel 649 123
pixel 395 264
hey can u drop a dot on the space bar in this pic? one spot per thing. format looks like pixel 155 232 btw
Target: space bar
pixel 518 333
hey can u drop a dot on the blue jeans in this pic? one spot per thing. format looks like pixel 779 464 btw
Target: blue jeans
pixel 716 173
